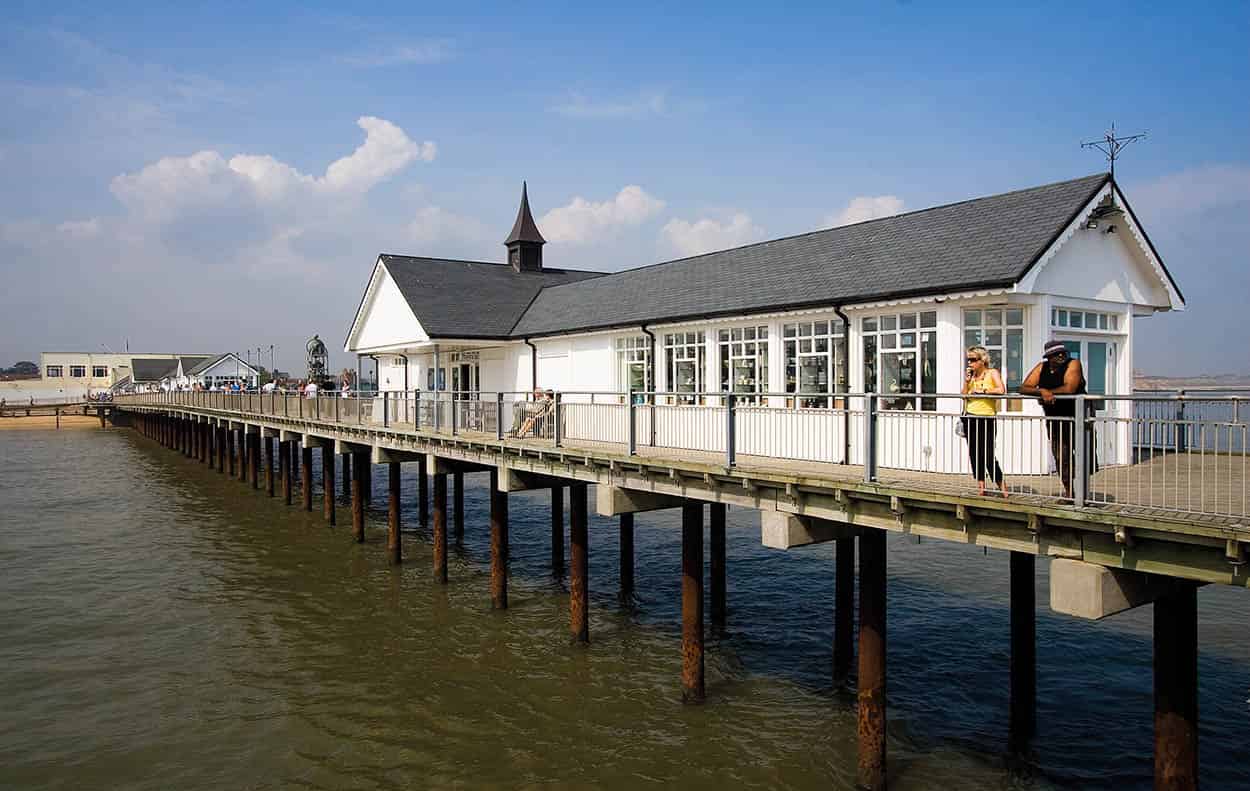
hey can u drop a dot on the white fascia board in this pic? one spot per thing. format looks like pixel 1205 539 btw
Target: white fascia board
pixel 374 278
pixel 1029 280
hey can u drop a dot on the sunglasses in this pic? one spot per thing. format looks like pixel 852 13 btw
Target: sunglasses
pixel 1057 355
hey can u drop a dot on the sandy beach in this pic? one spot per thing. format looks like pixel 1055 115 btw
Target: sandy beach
pixel 21 422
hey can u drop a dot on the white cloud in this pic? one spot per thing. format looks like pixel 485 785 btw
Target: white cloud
pixel 866 207
pixel 418 53
pixel 706 235
pixel 437 231
pixel 1190 191
pixel 385 151
pixel 647 103
pixel 174 186
pixel 583 220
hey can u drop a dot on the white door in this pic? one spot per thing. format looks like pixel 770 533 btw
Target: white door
pixel 1098 358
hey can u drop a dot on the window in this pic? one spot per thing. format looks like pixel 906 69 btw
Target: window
pixel 99 371
pixel 744 360
pixel 900 357
pixel 1000 329
pixel 684 356
pixel 77 371
pixel 815 360
pixel 54 372
pixel 633 361
pixel 1085 320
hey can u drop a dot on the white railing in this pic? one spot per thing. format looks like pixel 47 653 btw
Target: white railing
pixel 1172 453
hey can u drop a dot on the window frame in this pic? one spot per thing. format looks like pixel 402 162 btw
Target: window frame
pixel 95 369
pixel 54 372
pixel 793 337
pixel 1067 318
pixel 894 327
pixel 726 357
pixel 685 347
pixel 81 369
pixel 630 350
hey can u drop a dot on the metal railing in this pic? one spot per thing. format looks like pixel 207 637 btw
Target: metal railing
pixel 1170 453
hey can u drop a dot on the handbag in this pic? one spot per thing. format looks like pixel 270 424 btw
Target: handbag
pixel 960 429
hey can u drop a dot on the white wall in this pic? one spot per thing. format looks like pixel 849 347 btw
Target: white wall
pixel 386 319
pixel 1093 264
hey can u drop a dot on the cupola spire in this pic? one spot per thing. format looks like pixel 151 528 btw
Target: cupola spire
pixel 525 243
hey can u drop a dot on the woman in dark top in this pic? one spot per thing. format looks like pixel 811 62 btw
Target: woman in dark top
pixel 1057 374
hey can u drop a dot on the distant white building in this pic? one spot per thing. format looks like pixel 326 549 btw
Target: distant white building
pixel 885 306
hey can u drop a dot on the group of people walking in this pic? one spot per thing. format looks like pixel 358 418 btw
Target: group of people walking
pixel 1058 374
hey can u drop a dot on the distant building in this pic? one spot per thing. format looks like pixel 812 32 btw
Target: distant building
pixel 82 371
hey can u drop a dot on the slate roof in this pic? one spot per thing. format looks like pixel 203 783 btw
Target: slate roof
pixel 151 369
pixel 981 243
pixel 204 364
pixel 470 299
pixel 189 363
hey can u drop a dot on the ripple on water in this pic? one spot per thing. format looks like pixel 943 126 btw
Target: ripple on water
pixel 167 627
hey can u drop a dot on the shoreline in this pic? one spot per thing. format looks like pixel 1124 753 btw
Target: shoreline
pixel 24 423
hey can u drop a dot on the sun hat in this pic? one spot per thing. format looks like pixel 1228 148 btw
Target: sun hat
pixel 1053 347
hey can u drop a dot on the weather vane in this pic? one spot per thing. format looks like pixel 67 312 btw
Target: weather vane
pixel 1111 145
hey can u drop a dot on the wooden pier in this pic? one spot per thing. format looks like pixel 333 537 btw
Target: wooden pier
pixel 1109 556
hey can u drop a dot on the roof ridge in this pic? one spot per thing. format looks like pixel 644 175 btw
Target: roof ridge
pixel 839 227
pixel 487 263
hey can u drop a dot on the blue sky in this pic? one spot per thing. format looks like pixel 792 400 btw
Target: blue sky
pixel 221 177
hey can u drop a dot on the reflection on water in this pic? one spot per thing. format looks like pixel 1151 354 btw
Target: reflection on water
pixel 167 627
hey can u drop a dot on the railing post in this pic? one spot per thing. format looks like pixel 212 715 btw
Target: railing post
pixel 870 438
pixel 1080 471
pixel 386 417
pixel 555 416
pixel 337 397
pixel 301 404
pixel 317 404
pixel 633 422
pixel 416 409
pixel 499 416
pixel 454 421
pixel 437 417
pixel 1181 438
pixel 730 438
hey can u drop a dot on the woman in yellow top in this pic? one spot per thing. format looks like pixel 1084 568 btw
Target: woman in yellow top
pixel 979 426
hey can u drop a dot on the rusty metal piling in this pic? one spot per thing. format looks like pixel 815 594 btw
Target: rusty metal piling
pixel 692 687
pixel 557 531
pixel 871 694
pixel 394 547
pixel 579 566
pixel 305 479
pixel 627 558
pixel 327 482
pixel 844 610
pixel 498 544
pixel 1176 689
pixel 1023 649
pixel 440 528
pixel 358 498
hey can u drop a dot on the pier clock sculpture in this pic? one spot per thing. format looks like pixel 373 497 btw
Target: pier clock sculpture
pixel 318 362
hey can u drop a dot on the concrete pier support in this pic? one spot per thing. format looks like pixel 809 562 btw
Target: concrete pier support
pixel 1023 649
pixel 844 610
pixel 305 477
pixel 458 508
pixel 498 544
pixel 557 531
pixel 358 496
pixel 284 466
pixel 579 565
pixel 716 536
pixel 871 695
pixel 327 482
pixel 692 690
pixel 627 558
pixel 423 495
pixel 1176 690
pixel 440 528
pixel 270 472
pixel 253 459
pixel 394 547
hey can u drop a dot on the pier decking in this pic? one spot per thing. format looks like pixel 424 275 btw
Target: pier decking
pixel 1148 530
